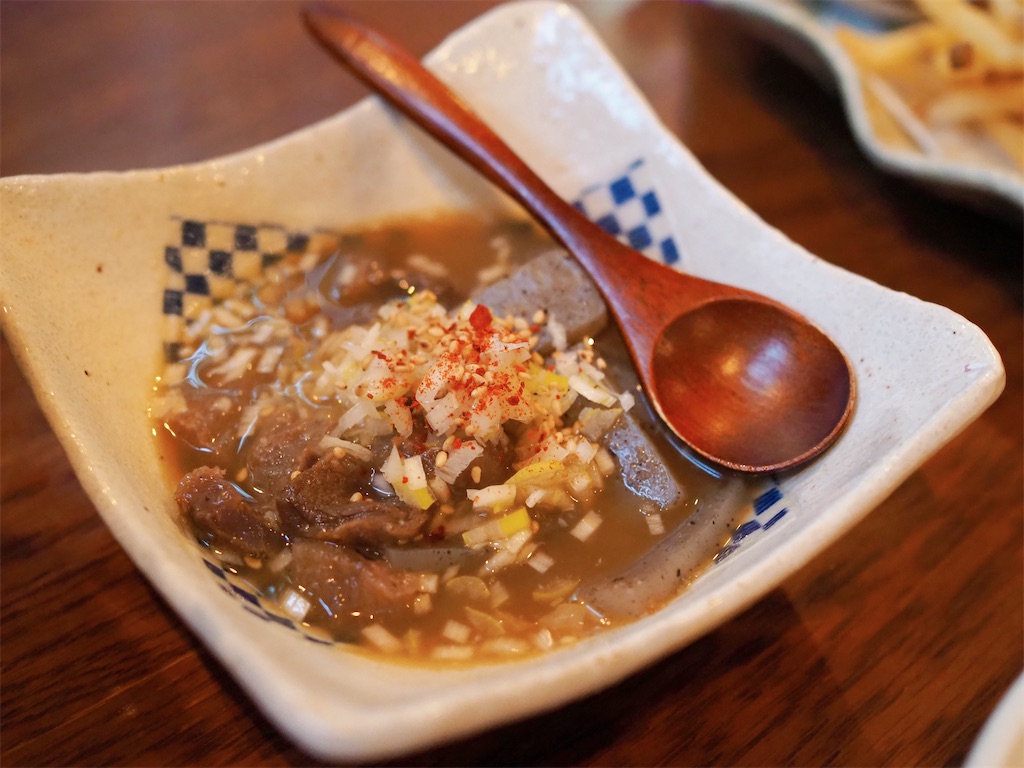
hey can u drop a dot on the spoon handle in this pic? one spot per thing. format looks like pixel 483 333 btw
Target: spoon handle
pixel 404 82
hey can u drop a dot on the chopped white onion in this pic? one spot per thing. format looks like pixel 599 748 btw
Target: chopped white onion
pixel 400 416
pixel 458 459
pixel 295 605
pixel 456 631
pixel 499 593
pixel 381 638
pixel 452 652
pixel 236 365
pixel 350 418
pixel 558 333
pixel 540 561
pixel 655 524
pixel 585 528
pixel 591 391
pixel 361 452
pixel 544 640
pixel 534 498
pixel 423 603
pixel 627 400
pixel 429 582
pixel 493 497
pixel 269 359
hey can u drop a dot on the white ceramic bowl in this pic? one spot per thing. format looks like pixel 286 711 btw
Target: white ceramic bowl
pixel 1000 744
pixel 541 76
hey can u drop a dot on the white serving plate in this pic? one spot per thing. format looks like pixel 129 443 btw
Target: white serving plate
pixel 1001 741
pixel 105 245
pixel 803 30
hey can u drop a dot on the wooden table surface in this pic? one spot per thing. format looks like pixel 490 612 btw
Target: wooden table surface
pixel 890 648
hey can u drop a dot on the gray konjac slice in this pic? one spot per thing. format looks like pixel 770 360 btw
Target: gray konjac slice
pixel 672 563
pixel 557 285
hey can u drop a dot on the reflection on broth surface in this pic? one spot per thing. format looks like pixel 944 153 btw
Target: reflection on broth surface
pixel 427 442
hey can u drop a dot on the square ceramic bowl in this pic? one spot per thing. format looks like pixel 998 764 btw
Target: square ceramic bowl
pixel 121 256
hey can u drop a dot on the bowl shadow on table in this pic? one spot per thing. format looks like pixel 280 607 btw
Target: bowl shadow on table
pixel 795 666
pixel 708 687
pixel 737 680
pixel 764 676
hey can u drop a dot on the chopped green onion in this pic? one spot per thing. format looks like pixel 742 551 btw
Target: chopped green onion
pixel 537 473
pixel 494 497
pixel 591 391
pixel 501 528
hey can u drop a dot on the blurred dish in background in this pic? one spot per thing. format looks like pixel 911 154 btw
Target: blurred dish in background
pixel 950 84
pixel 933 89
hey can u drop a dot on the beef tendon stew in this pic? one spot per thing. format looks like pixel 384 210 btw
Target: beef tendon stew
pixel 427 443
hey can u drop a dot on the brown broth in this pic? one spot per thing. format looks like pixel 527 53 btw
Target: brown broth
pixel 465 245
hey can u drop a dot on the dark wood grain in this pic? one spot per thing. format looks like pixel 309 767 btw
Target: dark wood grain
pixel 891 648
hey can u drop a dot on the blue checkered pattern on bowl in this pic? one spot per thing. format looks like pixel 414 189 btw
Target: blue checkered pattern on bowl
pixel 767 509
pixel 201 253
pixel 256 604
pixel 628 207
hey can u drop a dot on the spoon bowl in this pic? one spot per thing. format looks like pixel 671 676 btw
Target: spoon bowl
pixel 705 353
pixel 742 380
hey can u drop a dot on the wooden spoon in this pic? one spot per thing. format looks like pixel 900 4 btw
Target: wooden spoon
pixel 744 381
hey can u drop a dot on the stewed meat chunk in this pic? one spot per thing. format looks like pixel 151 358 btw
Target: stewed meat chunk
pixel 284 442
pixel 345 583
pixel 327 502
pixel 222 516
